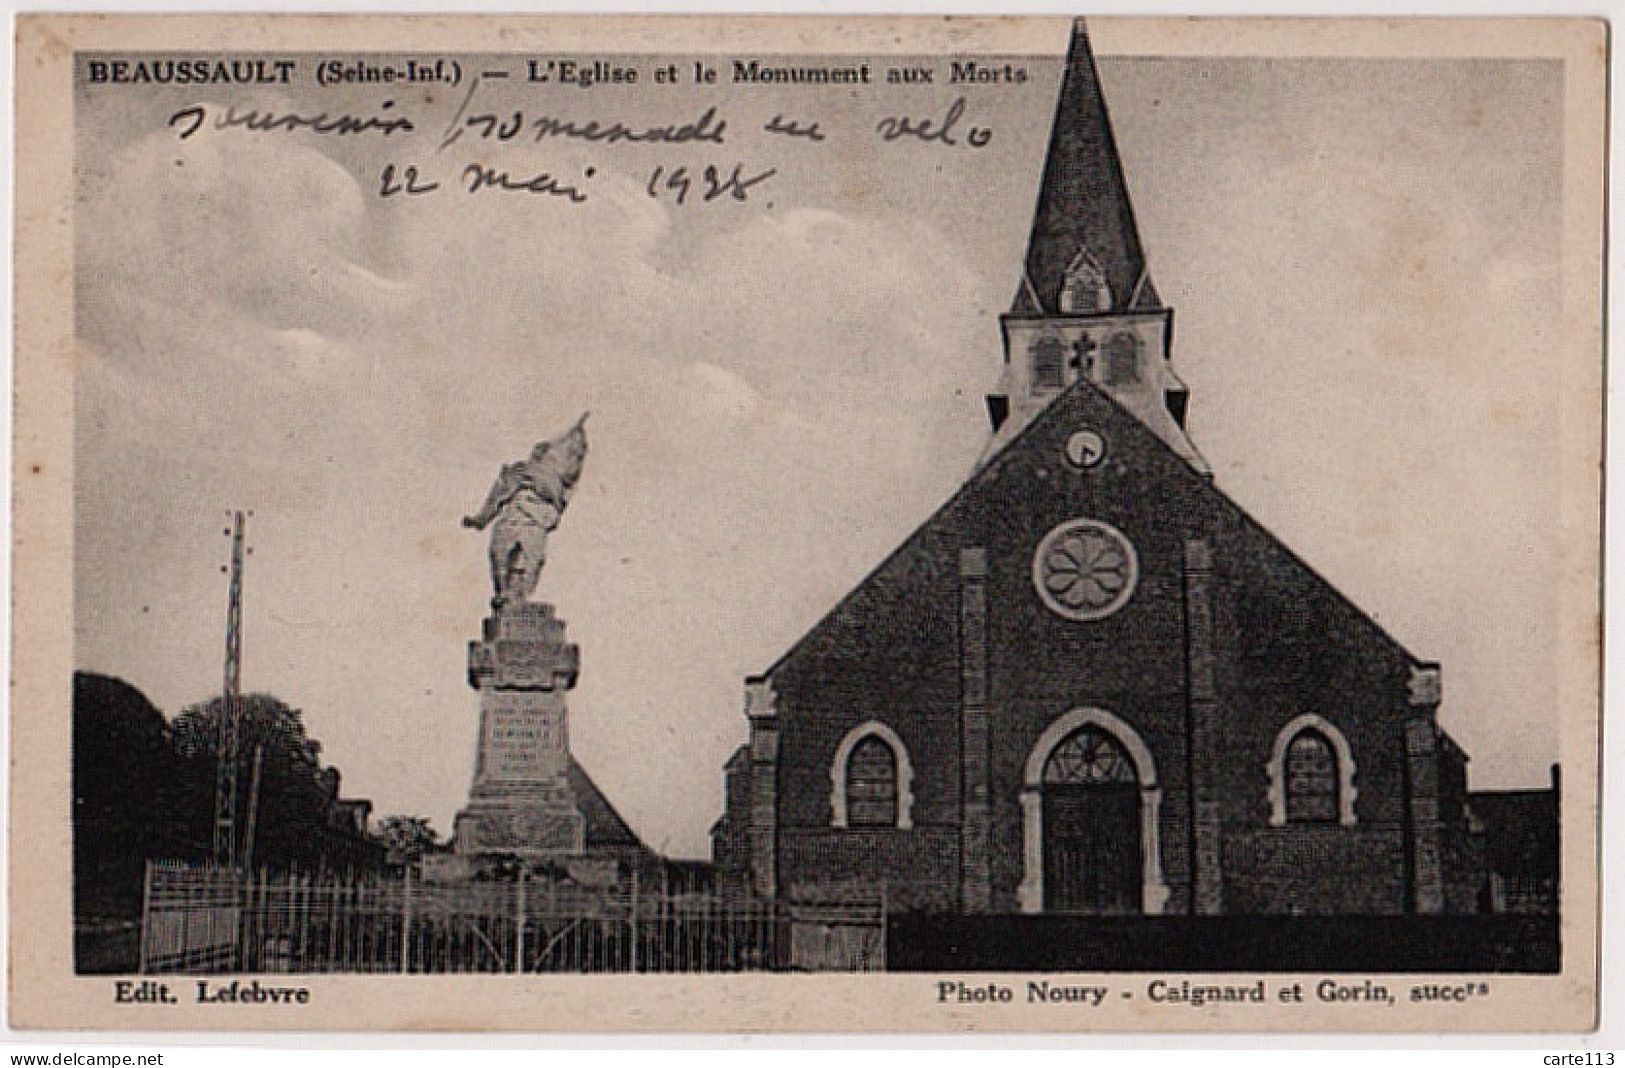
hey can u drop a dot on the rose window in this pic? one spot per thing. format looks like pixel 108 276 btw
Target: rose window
pixel 1085 570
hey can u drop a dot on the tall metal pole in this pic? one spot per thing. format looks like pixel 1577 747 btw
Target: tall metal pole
pixel 225 787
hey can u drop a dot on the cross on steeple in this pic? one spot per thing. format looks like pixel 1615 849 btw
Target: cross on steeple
pixel 1083 354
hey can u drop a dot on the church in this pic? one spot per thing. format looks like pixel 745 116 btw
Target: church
pixel 1090 683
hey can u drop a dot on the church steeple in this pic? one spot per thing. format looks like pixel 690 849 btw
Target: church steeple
pixel 1085 306
pixel 1083 231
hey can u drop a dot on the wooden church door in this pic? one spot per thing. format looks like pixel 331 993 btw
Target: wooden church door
pixel 1091 799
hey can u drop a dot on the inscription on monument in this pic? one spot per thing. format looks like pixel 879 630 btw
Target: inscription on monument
pixel 525 743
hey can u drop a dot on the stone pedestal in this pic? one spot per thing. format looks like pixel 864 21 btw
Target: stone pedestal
pixel 521 803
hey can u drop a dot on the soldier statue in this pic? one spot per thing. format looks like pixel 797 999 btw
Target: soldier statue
pixel 525 504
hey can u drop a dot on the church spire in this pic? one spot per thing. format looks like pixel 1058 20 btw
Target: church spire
pixel 1084 253
pixel 1086 308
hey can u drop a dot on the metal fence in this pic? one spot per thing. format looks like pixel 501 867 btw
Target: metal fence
pixel 211 921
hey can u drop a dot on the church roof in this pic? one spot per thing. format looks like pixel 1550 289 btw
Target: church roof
pixel 1081 397
pixel 605 827
pixel 1083 202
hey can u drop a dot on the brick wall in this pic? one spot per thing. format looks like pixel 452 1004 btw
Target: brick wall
pixel 917 868
pixel 1316 870
pixel 889 653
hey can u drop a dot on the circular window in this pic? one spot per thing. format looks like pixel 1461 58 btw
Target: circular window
pixel 1085 569
pixel 1085 449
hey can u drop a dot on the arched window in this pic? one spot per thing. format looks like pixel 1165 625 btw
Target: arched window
pixel 1311 779
pixel 1084 290
pixel 1048 371
pixel 1091 757
pixel 1311 774
pixel 1122 352
pixel 870 780
pixel 871 785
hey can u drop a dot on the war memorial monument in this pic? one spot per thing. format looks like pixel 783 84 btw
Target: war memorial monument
pixel 521 804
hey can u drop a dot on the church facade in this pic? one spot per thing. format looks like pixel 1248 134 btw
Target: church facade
pixel 1091 683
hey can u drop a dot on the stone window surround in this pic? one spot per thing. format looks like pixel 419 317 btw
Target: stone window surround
pixel 1154 891
pixel 1084 277
pixel 1346 792
pixel 1055 541
pixel 843 755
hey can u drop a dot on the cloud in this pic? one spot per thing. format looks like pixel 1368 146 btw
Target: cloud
pixel 825 310
pixel 270 229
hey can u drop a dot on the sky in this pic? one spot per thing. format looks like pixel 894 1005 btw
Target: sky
pixel 1362 257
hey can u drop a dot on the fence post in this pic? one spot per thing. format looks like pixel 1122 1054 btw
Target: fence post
pixel 192 896
pixel 883 902
pixel 240 912
pixel 146 915
pixel 406 921
pixel 636 954
pixel 519 922
pixel 269 929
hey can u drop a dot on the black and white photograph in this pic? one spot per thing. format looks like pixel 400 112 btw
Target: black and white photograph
pixel 829 524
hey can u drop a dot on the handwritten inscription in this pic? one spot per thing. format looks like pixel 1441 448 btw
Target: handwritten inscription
pixel 488 127
pixel 934 131
pixel 778 124
pixel 679 183
pixel 480 178
pixel 709 184
pixel 189 120
pixel 408 182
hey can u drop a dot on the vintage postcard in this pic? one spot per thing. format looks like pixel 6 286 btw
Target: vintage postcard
pixel 737 524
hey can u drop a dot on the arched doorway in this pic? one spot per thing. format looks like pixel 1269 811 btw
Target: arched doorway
pixel 1090 801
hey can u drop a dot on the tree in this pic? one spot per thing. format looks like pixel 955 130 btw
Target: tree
pixel 126 801
pixel 406 837
pixel 291 812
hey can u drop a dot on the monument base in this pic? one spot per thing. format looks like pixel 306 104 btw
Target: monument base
pixel 524 828
pixel 521 803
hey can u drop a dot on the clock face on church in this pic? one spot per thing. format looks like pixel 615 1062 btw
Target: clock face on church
pixel 1085 569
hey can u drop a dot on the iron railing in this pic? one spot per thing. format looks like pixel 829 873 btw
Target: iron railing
pixel 210 920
